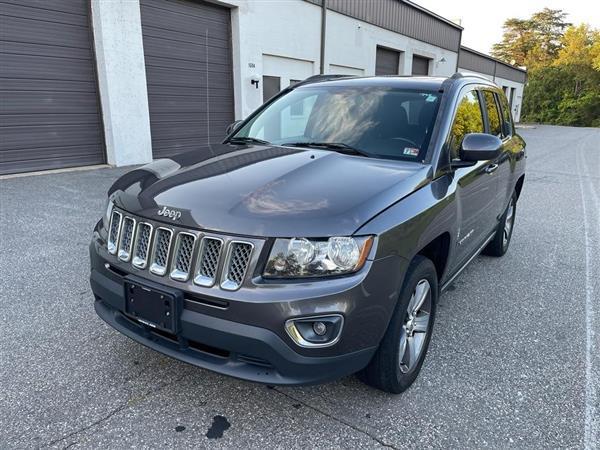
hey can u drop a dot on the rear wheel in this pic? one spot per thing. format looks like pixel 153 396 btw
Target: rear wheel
pixel 401 353
pixel 499 244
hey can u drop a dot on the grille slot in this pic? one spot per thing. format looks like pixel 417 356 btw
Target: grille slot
pixel 142 245
pixel 208 261
pixel 160 252
pixel 113 232
pixel 126 240
pixel 182 260
pixel 236 265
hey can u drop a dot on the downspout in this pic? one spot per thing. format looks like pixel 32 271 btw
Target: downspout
pixel 323 30
pixel 495 66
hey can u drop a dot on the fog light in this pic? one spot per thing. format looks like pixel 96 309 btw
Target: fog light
pixel 319 328
pixel 319 331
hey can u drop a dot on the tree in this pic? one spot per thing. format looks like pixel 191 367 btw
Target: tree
pixel 567 91
pixel 533 42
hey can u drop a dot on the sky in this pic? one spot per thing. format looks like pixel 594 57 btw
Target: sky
pixel 482 22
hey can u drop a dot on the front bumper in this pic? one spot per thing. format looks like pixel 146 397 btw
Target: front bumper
pixel 247 339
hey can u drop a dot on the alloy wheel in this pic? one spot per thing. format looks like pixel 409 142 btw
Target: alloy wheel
pixel 415 328
pixel 508 223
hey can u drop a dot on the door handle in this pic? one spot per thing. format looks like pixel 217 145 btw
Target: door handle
pixel 491 168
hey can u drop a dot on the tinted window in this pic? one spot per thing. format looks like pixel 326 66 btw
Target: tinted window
pixel 507 125
pixel 492 113
pixel 468 119
pixel 374 120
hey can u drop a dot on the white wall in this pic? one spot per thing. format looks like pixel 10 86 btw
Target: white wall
pixel 353 43
pixel 122 81
pixel 502 82
pixel 284 39
pixel 266 34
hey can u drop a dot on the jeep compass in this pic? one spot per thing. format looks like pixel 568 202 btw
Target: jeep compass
pixel 315 240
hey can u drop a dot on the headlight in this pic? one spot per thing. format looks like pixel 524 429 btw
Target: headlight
pixel 302 258
pixel 108 212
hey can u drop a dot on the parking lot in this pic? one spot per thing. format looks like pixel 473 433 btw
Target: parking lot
pixel 514 360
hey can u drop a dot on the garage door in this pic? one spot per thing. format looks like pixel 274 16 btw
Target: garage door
pixel 49 110
pixel 187 48
pixel 387 62
pixel 420 65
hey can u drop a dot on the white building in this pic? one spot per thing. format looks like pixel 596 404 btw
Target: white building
pixel 124 81
pixel 511 79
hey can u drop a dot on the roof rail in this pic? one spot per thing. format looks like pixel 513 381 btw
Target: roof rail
pixel 459 75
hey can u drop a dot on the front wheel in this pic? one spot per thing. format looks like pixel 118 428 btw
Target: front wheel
pixel 501 240
pixel 401 353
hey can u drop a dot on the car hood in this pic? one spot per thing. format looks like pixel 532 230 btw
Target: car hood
pixel 266 190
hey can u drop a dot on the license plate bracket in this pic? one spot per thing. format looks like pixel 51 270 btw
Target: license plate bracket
pixel 153 305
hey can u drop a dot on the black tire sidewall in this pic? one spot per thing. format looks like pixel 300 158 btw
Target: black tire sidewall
pixel 389 368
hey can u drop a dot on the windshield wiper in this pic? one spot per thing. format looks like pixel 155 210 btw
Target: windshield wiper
pixel 339 147
pixel 247 140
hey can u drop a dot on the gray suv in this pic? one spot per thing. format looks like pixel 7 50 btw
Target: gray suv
pixel 314 242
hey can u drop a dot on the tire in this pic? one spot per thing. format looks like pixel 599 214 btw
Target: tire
pixel 501 240
pixel 388 370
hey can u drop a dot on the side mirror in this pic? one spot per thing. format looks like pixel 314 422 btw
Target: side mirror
pixel 232 127
pixel 480 147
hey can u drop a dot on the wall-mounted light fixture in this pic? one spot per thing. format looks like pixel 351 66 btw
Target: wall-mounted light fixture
pixel 254 81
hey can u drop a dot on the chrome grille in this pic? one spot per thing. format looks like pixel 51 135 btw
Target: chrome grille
pixel 126 241
pixel 113 232
pixel 236 265
pixel 142 245
pixel 208 261
pixel 184 249
pixel 160 253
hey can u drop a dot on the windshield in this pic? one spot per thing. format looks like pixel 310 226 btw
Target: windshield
pixel 375 121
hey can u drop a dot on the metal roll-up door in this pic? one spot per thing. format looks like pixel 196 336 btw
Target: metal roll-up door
pixel 49 108
pixel 387 62
pixel 420 65
pixel 187 49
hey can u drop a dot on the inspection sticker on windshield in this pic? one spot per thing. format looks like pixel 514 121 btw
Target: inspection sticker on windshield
pixel 411 151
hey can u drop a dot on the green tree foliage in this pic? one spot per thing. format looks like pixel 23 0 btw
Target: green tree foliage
pixel 532 42
pixel 563 65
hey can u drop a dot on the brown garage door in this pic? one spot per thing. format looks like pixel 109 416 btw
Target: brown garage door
pixel 187 48
pixel 49 111
pixel 420 65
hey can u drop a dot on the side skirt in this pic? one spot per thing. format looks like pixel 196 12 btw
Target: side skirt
pixel 447 283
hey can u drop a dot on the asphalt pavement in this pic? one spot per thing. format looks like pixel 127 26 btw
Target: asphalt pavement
pixel 514 360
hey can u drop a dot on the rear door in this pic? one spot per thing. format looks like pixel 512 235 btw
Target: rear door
pixel 495 127
pixel 476 185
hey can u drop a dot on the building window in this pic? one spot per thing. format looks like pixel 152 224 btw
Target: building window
pixel 387 62
pixel 420 65
pixel 271 87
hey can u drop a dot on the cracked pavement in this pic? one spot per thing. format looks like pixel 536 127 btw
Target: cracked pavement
pixel 507 367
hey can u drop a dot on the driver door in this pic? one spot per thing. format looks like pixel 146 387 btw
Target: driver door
pixel 476 185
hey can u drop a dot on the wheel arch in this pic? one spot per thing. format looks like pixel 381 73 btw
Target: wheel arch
pixel 437 250
pixel 519 185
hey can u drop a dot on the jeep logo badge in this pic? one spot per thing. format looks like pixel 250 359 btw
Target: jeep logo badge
pixel 172 214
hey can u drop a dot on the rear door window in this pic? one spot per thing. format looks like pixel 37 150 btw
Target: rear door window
pixel 507 123
pixel 493 114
